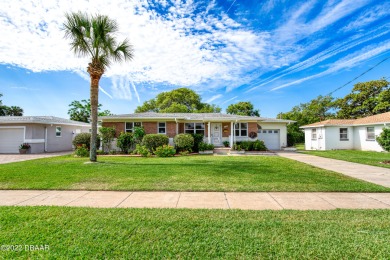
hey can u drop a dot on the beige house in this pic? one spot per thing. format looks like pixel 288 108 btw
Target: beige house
pixel 43 133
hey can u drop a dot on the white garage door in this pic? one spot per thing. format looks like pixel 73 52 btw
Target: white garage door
pixel 271 138
pixel 10 139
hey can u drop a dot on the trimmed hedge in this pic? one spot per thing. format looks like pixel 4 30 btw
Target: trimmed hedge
pixel 85 138
pixel 184 142
pixel 152 141
pixel 252 146
pixel 205 146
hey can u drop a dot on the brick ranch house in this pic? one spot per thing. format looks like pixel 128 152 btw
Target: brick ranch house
pixel 220 126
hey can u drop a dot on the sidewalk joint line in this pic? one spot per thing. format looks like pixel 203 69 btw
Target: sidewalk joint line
pixel 375 199
pixel 177 202
pixel 325 200
pixel 227 201
pixel 275 200
pixel 124 199
pixel 77 198
pixel 31 198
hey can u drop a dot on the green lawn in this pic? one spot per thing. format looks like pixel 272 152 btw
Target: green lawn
pixel 365 157
pixel 188 173
pixel 202 234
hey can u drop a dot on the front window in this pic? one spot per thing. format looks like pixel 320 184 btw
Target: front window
pixel 129 126
pixel 58 131
pixel 241 129
pixel 194 128
pixel 161 128
pixel 371 133
pixel 314 134
pixel 343 134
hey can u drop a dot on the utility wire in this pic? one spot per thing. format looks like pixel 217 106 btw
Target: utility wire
pixel 376 65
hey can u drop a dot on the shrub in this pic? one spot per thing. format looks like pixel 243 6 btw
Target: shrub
pixel 165 151
pixel 152 141
pixel 246 145
pixel 142 150
pixel 236 147
pixel 198 138
pixel 259 145
pixel 107 134
pixel 184 153
pixel 205 146
pixel 82 151
pixel 226 143
pixel 184 142
pixel 125 141
pixel 85 138
pixel 138 134
pixel 384 139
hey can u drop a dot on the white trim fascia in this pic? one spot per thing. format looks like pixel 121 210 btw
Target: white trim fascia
pixel 34 141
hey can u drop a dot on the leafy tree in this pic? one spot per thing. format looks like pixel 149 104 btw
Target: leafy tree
pixel 181 100
pixel 10 111
pixel 94 37
pixel 384 139
pixel 366 99
pixel 81 111
pixel 313 111
pixel 243 109
pixel 107 134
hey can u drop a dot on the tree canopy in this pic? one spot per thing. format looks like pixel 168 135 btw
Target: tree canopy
pixel 81 111
pixel 366 99
pixel 9 111
pixel 181 100
pixel 243 109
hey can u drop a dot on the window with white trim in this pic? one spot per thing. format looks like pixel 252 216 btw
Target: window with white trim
pixel 129 126
pixel 161 127
pixel 241 129
pixel 194 128
pixel 343 134
pixel 314 134
pixel 58 131
pixel 370 133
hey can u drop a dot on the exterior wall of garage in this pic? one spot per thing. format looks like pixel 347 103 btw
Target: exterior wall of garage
pixel 34 134
pixel 282 127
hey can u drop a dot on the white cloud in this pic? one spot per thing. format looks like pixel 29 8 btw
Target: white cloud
pixel 214 98
pixel 346 63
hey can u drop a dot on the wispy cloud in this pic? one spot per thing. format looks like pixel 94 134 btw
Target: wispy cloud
pixel 228 100
pixel 215 97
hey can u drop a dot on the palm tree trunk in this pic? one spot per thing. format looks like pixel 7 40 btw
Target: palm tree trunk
pixel 95 77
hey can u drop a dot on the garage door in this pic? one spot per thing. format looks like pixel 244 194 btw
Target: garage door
pixel 10 139
pixel 271 138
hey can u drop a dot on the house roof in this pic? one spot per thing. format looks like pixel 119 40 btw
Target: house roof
pixel 47 120
pixel 383 118
pixel 191 116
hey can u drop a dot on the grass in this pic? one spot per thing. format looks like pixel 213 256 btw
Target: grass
pixel 188 173
pixel 364 157
pixel 300 146
pixel 84 233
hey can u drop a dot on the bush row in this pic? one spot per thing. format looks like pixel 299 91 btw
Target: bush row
pixel 257 145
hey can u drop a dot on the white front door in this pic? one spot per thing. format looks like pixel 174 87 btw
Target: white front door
pixel 216 134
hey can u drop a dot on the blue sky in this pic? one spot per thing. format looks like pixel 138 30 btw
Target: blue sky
pixel 273 53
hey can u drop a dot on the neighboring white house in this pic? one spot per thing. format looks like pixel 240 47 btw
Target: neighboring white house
pixel 43 133
pixel 337 134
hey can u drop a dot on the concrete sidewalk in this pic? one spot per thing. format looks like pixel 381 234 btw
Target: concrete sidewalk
pixel 377 175
pixel 197 200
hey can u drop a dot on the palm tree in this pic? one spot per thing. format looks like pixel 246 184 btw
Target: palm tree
pixel 93 37
pixel 14 111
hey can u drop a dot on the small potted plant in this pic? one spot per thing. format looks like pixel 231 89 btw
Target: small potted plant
pixel 23 148
pixel 205 148
pixel 226 143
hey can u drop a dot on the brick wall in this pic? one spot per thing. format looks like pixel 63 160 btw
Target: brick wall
pixel 150 127
pixel 119 127
pixel 252 127
pixel 171 129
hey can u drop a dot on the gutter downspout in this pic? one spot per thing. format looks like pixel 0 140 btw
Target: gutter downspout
pixel 45 143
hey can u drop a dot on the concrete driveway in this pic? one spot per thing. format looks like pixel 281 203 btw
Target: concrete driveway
pixel 9 158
